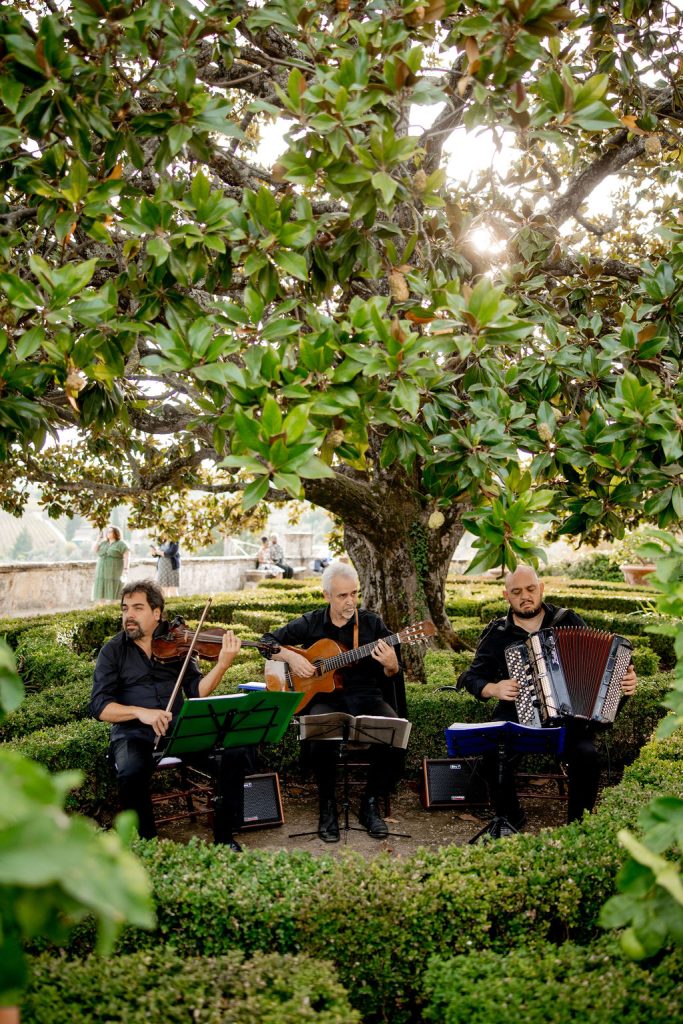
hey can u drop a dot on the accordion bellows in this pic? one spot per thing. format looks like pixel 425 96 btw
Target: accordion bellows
pixel 568 672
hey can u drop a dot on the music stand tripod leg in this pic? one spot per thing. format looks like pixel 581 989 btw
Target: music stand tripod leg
pixel 499 824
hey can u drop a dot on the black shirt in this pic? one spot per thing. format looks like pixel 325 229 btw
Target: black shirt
pixel 489 664
pixel 125 675
pixel 365 676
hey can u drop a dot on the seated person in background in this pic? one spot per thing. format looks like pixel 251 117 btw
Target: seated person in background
pixel 362 693
pixel 131 689
pixel 322 563
pixel 263 554
pixel 487 677
pixel 277 557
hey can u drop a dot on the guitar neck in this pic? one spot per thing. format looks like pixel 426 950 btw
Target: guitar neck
pixel 355 654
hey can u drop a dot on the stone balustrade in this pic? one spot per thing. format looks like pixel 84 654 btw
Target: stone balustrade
pixel 31 588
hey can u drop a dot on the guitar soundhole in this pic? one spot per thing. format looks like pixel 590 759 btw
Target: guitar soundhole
pixel 317 664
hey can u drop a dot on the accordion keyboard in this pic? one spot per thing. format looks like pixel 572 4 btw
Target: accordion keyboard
pixel 519 668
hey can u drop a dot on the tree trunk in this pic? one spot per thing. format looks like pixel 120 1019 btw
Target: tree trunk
pixel 403 579
pixel 402 563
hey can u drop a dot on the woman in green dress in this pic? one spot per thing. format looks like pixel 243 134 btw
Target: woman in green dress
pixel 112 561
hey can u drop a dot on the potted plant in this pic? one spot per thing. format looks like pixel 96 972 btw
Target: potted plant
pixel 634 567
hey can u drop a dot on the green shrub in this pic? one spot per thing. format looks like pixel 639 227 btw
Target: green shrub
pixel 310 583
pixel 379 920
pixel 56 706
pixel 162 987
pixel 547 984
pixel 597 566
pixel 431 712
pixel 261 621
pixel 442 668
pixel 376 921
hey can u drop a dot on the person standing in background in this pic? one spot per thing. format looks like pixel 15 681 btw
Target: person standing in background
pixel 112 561
pixel 167 554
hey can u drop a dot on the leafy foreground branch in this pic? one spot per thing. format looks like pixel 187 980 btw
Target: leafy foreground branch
pixel 649 906
pixel 56 868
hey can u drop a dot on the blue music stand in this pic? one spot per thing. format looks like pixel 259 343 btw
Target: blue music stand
pixel 505 738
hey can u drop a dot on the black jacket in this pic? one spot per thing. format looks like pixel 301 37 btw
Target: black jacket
pixel 489 664
pixel 365 675
pixel 125 675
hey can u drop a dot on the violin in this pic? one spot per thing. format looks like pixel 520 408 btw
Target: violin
pixel 207 643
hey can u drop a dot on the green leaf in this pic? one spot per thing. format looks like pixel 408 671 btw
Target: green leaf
pixel 255 492
pixel 385 184
pixel 20 293
pixel 11 685
pixel 293 263
pixel 271 417
pixel 595 117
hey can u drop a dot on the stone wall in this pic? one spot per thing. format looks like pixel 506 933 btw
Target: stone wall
pixel 30 588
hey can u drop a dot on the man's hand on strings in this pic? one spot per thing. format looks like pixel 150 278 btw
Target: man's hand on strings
pixel 156 717
pixel 299 665
pixel 230 646
pixel 386 656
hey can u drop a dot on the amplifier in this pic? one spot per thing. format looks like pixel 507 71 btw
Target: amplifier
pixel 451 782
pixel 262 801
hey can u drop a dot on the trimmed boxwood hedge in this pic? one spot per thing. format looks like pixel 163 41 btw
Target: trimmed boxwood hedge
pixel 547 984
pixel 380 920
pixel 376 921
pixel 162 987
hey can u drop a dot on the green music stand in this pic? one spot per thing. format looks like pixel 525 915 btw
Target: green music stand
pixel 230 720
pixel 209 725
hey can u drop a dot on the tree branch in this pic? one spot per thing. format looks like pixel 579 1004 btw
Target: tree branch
pixel 622 151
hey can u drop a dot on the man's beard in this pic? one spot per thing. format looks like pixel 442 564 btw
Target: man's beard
pixel 529 613
pixel 133 631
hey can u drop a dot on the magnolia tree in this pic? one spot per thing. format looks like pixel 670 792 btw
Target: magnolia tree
pixel 182 314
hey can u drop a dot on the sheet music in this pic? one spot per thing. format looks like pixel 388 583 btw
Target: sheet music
pixel 393 732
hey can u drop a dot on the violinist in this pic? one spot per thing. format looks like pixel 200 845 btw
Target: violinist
pixel 131 690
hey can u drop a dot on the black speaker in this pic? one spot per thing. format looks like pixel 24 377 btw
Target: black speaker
pixel 450 782
pixel 262 801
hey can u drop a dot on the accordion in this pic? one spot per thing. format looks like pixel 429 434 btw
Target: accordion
pixel 568 672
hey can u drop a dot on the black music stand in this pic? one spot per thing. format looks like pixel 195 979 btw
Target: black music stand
pixel 342 728
pixel 208 725
pixel 466 740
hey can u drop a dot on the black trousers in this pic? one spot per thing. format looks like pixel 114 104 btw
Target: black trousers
pixel 384 763
pixel 134 764
pixel 583 769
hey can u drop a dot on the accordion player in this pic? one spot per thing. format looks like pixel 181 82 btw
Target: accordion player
pixel 568 672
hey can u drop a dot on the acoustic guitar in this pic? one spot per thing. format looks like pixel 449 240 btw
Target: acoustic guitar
pixel 329 658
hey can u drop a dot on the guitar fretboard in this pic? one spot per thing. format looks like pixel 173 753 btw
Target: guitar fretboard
pixel 348 657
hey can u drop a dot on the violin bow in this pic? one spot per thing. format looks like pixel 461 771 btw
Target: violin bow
pixel 181 674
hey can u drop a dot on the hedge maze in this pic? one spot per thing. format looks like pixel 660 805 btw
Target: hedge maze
pixel 506 931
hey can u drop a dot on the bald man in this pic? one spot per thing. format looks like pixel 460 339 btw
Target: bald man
pixel 487 677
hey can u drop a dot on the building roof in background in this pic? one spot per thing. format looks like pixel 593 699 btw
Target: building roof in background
pixel 43 535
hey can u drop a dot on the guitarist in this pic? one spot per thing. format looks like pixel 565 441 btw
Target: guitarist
pixel 366 686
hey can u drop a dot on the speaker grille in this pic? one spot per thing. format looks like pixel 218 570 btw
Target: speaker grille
pixel 262 801
pixel 451 782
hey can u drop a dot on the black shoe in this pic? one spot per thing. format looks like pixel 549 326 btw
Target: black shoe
pixel 328 825
pixel 230 842
pixel 370 819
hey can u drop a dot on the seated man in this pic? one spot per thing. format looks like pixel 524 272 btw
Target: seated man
pixel 362 692
pixel 132 688
pixel 487 677
pixel 277 557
